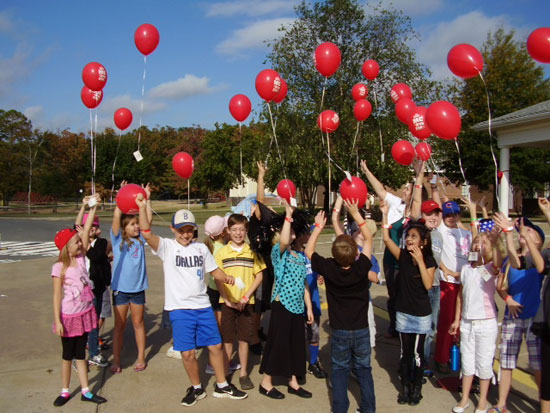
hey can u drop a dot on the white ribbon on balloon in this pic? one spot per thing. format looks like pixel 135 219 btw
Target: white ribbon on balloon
pixel 142 97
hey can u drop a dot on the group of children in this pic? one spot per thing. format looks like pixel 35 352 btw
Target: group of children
pixel 440 277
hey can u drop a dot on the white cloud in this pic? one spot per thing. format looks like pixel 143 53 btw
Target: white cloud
pixel 469 28
pixel 182 88
pixel 6 23
pixel 410 7
pixel 125 101
pixel 14 68
pixel 252 8
pixel 34 113
pixel 253 36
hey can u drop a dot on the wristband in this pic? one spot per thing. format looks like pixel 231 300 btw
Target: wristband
pixel 289 219
pixel 318 225
pixel 418 186
pixel 245 298
pixel 146 230
pixel 386 226
pixel 508 229
pixel 473 224
pixel 335 210
pixel 362 223
pixel 508 296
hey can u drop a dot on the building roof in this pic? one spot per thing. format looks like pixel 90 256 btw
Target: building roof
pixel 540 111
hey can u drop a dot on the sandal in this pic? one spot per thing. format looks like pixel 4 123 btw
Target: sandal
pixel 498 410
pixel 140 367
pixel 116 369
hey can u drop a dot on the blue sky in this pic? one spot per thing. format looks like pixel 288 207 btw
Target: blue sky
pixel 208 52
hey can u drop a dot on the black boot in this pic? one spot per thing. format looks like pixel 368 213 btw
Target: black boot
pixel 403 396
pixel 415 395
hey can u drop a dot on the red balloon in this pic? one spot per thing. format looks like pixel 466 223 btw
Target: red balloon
pixel 400 90
pixel 359 91
pixel 126 198
pixel 240 107
pixel 268 84
pixel 183 164
pixel 123 118
pixel 404 109
pixel 327 58
pixel 281 94
pixel 354 190
pixel 444 119
pixel 328 121
pixel 403 152
pixel 286 189
pixel 538 44
pixel 465 61
pixel 362 110
pixel 370 69
pixel 94 76
pixel 91 98
pixel 418 125
pixel 146 38
pixel 423 150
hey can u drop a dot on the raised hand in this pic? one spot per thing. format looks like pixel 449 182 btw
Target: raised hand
pixel 140 201
pixel 288 208
pixel 364 167
pixel 320 219
pixel 544 205
pixel 501 221
pixel 147 189
pixel 352 206
pixel 262 168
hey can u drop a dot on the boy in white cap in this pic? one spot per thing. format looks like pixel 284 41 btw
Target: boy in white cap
pixel 185 264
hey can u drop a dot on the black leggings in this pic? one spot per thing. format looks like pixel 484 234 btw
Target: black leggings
pixel 545 360
pixel 411 366
pixel 74 347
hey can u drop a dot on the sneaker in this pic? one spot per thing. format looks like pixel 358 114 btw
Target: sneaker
pixel 92 398
pixel 173 353
pixel 317 370
pixel 103 345
pixel 62 399
pixel 234 365
pixel 98 360
pixel 209 369
pixel 192 396
pixel 229 392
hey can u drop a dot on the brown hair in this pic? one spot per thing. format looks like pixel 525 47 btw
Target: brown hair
pixel 209 241
pixel 237 219
pixel 344 250
pixel 125 220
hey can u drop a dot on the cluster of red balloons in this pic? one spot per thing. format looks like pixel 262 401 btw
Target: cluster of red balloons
pixel 356 189
pixel 123 118
pixel 286 189
pixel 328 121
pixel 146 38
pixel 183 164
pixel 268 84
pixel 94 76
pixel 538 44
pixel 417 123
pixel 327 58
pixel 126 198
pixel 362 108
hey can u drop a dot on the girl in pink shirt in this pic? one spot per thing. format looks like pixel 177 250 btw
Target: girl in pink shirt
pixel 478 327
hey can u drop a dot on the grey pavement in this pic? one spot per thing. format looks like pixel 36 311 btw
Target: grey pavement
pixel 30 360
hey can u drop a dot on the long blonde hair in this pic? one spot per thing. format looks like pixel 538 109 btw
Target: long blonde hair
pixel 65 260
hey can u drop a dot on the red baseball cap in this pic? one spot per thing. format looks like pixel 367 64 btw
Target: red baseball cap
pixel 430 206
pixel 63 237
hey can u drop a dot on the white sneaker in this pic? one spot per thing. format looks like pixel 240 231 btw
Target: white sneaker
pixel 234 365
pixel 458 409
pixel 98 360
pixel 173 353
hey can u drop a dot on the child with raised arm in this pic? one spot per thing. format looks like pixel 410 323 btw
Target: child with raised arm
pixel 185 264
pixel 73 310
pixel 347 285
pixel 413 310
pixel 476 313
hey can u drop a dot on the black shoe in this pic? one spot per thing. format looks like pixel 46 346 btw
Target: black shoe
pixel 229 392
pixel 94 399
pixel 416 395
pixel 317 370
pixel 273 393
pixel 192 396
pixel 403 396
pixel 301 392
pixel 60 401
pixel 256 349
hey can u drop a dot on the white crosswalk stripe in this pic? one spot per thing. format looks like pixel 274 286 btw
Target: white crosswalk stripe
pixel 8 261
pixel 42 249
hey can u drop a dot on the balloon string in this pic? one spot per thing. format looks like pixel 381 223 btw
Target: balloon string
pixel 142 95
pixel 155 212
pixel 460 161
pixel 329 173
pixel 95 147
pixel 382 156
pixel 276 142
pixel 321 109
pixel 354 141
pixel 92 151
pixel 489 124
pixel 188 195
pixel 241 152
pixel 114 163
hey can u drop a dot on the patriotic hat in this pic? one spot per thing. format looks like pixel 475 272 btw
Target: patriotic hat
pixel 486 225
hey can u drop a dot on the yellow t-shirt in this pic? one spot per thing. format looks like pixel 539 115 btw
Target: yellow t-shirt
pixel 244 264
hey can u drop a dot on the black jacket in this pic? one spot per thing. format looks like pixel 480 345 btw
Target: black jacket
pixel 100 267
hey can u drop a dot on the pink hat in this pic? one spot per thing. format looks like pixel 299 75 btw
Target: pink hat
pixel 214 226
pixel 96 220
pixel 63 237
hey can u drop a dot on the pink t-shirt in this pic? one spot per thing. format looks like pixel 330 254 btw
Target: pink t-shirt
pixel 478 295
pixel 77 294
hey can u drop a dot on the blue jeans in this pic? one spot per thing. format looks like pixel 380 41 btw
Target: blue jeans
pixel 434 294
pixel 93 337
pixel 351 349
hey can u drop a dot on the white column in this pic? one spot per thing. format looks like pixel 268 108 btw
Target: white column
pixel 505 180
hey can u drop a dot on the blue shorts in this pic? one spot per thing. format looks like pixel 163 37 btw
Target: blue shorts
pixel 120 298
pixel 194 328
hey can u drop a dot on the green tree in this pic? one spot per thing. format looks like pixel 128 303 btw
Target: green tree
pixel 514 81
pixel 382 35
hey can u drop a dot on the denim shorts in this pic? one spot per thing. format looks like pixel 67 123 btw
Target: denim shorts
pixel 121 298
pixel 406 323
